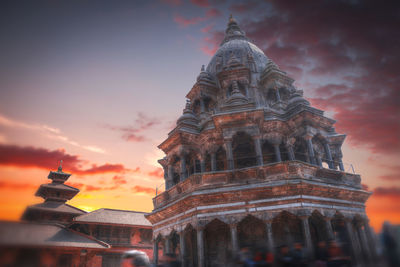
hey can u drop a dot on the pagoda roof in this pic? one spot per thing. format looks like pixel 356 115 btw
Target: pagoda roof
pixel 54 206
pixel 63 187
pixel 45 235
pixel 112 216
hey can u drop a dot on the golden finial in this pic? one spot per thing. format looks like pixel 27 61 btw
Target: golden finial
pixel 231 19
pixel 60 166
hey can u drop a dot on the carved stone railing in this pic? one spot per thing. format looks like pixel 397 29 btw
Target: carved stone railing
pixel 287 170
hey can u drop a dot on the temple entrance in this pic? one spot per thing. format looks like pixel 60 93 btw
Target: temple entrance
pixel 217 244
pixel 252 233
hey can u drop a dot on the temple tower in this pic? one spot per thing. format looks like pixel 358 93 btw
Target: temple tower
pixel 55 195
pixel 251 164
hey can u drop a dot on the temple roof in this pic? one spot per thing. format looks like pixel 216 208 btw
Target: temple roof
pixel 45 235
pixel 111 216
pixel 54 206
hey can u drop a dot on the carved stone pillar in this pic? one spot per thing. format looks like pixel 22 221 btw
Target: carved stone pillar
pixel 307 234
pixel 229 154
pixel 183 168
pixel 234 238
pixel 182 247
pixel 200 247
pixel 278 157
pixel 257 146
pixel 170 180
pixel 270 237
pixel 278 95
pixel 290 152
pixel 202 106
pixel 213 161
pixel 354 242
pixel 203 164
pixel 363 240
pixel 329 155
pixel 341 166
pixel 310 148
pixel 319 160
pixel 155 251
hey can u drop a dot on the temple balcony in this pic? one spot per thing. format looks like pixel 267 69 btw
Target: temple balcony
pixel 268 173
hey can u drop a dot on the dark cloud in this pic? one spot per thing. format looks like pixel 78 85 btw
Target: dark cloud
pixel 136 133
pixel 387 191
pixel 27 157
pixel 184 22
pixel 354 43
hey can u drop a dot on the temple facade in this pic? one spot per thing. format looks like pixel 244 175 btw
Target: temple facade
pixel 251 163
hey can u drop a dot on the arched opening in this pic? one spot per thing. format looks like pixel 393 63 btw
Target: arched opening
pixel 284 94
pixel 196 107
pixel 252 233
pixel 244 154
pixel 190 237
pixel 193 163
pixel 209 104
pixel 271 96
pixel 287 229
pixel 300 150
pixel 174 242
pixel 220 156
pixel 268 152
pixel 175 169
pixel 217 244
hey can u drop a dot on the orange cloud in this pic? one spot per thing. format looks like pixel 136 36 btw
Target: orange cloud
pixel 16 186
pixel 158 172
pixel 144 190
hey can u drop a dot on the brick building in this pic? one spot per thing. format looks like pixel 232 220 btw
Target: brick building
pixel 251 163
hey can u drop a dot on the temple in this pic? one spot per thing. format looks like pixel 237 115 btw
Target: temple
pixel 252 163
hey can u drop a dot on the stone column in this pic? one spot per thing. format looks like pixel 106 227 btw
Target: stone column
pixel 329 155
pixel 341 166
pixel 203 163
pixel 202 106
pixel 234 238
pixel 155 251
pixel 364 241
pixel 229 154
pixel 278 95
pixel 182 247
pixel 353 241
pixel 270 240
pixel 169 182
pixel 213 161
pixel 257 146
pixel 329 229
pixel 278 157
pixel 290 152
pixel 310 148
pixel 307 234
pixel 200 247
pixel 183 168
pixel 319 160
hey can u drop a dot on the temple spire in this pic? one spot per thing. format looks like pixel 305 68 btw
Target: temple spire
pixel 233 31
pixel 60 166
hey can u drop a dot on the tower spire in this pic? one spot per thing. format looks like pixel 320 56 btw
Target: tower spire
pixel 233 31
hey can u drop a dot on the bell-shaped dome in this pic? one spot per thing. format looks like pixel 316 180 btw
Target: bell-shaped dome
pixel 236 46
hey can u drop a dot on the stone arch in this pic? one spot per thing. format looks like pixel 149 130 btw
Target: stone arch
pixel 252 233
pixel 190 238
pixel 174 241
pixel 286 229
pixel 244 154
pixel 192 163
pixel 300 150
pixel 217 241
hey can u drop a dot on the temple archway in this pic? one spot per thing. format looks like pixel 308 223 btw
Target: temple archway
pixel 252 233
pixel 190 246
pixel 287 229
pixel 217 244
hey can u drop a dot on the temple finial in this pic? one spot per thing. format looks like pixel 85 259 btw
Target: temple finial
pixel 231 18
pixel 60 166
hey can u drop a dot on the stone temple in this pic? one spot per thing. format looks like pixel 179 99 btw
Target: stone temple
pixel 251 163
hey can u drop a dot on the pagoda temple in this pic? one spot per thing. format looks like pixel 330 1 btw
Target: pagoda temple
pixel 251 163
pixel 55 195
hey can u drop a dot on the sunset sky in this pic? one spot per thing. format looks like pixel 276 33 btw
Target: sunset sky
pixel 99 84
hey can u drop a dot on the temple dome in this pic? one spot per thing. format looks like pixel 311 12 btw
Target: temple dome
pixel 238 45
